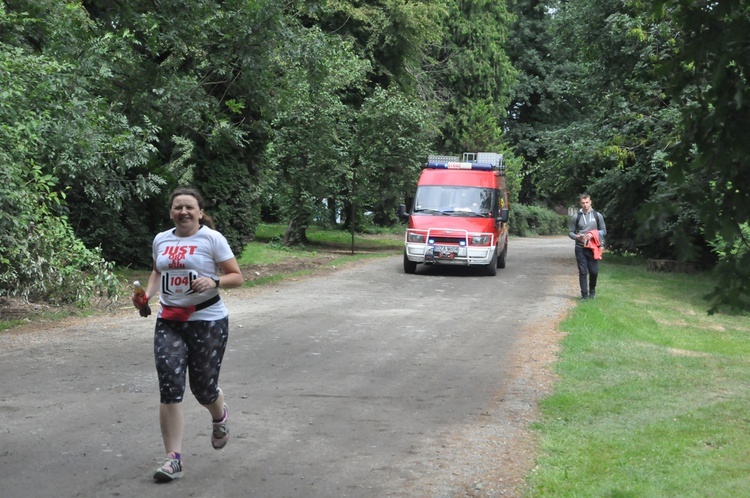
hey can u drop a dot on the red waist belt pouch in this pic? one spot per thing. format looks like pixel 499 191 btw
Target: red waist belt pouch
pixel 178 314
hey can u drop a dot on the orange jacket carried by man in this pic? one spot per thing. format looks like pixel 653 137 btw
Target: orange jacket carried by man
pixel 594 242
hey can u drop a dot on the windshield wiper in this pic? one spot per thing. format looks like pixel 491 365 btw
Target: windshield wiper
pixel 431 211
pixel 461 212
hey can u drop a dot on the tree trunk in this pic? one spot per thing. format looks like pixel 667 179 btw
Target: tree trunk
pixel 346 215
pixel 295 233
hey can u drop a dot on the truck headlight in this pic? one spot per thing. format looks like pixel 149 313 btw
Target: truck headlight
pixel 480 240
pixel 415 237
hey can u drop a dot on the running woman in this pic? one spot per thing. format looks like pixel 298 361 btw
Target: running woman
pixel 192 261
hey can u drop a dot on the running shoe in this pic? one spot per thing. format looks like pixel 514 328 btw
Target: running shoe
pixel 220 431
pixel 170 470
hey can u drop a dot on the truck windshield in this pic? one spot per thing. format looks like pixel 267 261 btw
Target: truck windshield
pixel 453 200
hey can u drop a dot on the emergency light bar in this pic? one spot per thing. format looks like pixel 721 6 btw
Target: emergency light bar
pixel 458 165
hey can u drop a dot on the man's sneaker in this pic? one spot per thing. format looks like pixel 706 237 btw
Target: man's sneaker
pixel 592 295
pixel 170 470
pixel 220 431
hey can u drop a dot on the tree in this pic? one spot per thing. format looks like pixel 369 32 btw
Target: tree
pixel 653 137
pixel 389 38
pixel 201 73
pixel 473 75
pixel 392 140
pixel 612 146
pixel 541 95
pixel 40 257
pixel 391 35
pixel 709 165
pixel 309 156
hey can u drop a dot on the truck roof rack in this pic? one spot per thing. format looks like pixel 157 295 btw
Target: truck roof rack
pixel 469 160
pixel 493 158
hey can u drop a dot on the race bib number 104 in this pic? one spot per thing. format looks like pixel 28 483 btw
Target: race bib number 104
pixel 178 282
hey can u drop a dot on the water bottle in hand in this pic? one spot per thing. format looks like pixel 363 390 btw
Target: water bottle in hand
pixel 140 300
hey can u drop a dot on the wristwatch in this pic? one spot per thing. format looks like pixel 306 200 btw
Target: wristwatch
pixel 216 281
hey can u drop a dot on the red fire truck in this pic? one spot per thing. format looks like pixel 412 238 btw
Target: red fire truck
pixel 460 213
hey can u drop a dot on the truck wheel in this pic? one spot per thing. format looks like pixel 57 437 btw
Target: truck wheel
pixel 409 266
pixel 503 255
pixel 491 268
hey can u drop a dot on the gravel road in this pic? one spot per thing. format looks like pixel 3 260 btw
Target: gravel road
pixel 360 382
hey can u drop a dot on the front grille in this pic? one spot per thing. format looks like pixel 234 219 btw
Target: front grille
pixel 448 240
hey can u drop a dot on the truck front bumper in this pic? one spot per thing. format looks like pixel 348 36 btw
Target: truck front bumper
pixel 436 255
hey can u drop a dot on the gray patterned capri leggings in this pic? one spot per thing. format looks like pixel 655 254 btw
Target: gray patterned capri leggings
pixel 195 348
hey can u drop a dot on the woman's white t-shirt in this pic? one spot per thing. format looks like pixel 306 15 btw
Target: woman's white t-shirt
pixel 180 260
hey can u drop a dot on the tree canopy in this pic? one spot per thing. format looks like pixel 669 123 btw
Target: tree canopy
pixel 310 111
pixel 647 101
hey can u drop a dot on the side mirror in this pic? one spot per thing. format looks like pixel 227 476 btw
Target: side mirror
pixel 402 214
pixel 503 216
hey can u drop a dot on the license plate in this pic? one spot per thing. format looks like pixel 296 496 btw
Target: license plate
pixel 445 251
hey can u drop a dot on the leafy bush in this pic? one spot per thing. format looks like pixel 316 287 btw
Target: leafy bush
pixel 526 221
pixel 40 256
pixel 50 264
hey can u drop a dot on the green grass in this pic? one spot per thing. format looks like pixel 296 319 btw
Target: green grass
pixel 262 253
pixel 332 263
pixel 381 238
pixel 653 396
pixel 47 316
pixel 268 250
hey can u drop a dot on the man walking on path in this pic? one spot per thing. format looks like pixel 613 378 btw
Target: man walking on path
pixel 587 228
